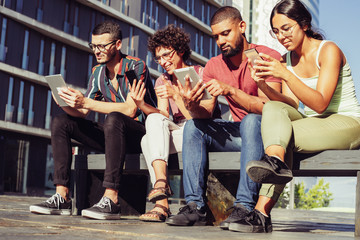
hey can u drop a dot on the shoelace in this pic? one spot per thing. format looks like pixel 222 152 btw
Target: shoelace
pixel 184 209
pixel 56 199
pixel 104 201
pixel 273 163
pixel 256 216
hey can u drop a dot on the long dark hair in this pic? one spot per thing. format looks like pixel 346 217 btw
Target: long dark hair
pixel 296 11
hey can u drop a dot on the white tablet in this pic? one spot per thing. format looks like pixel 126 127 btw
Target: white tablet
pixel 55 83
pixel 194 79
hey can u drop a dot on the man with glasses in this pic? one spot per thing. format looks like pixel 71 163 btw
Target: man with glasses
pixel 228 75
pixel 121 132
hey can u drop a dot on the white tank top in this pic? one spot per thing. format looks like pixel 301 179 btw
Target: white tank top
pixel 344 100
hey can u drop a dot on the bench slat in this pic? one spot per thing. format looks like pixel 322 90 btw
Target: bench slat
pixel 327 163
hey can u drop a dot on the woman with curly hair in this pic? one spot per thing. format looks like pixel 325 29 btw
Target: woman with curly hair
pixel 170 46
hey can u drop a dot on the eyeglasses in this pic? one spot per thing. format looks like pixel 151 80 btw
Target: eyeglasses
pixel 286 32
pixel 101 47
pixel 166 56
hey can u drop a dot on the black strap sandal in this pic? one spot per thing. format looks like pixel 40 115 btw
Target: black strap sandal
pixel 159 193
pixel 156 216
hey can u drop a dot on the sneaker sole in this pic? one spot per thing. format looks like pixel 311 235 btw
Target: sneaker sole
pixel 100 216
pixel 172 223
pixel 224 226
pixel 260 174
pixel 49 211
pixel 249 228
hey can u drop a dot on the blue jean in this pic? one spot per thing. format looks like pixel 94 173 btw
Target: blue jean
pixel 216 135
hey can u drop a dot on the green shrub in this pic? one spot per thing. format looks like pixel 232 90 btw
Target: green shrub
pixel 317 196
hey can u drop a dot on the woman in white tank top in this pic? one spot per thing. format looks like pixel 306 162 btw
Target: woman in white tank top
pixel 317 109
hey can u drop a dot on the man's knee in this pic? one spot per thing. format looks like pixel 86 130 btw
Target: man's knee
pixel 251 123
pixel 59 122
pixel 154 119
pixel 114 120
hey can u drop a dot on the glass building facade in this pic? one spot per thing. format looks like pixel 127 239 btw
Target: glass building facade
pixel 43 37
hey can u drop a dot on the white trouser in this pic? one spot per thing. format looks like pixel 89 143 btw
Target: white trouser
pixel 162 138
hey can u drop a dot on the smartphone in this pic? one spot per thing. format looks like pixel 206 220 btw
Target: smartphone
pixel 131 76
pixel 253 55
pixel 194 79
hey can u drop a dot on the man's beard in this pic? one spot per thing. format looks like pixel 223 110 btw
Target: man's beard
pixel 233 51
pixel 109 58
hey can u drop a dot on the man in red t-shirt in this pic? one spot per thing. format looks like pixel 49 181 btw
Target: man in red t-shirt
pixel 227 75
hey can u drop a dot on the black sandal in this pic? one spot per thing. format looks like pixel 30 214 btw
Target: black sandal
pixel 155 216
pixel 159 193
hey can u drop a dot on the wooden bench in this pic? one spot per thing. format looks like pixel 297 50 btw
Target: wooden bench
pixel 342 163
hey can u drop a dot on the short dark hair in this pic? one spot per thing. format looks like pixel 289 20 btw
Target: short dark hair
pixel 296 10
pixel 224 13
pixel 110 27
pixel 171 36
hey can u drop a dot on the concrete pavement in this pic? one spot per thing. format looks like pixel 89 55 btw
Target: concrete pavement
pixel 16 222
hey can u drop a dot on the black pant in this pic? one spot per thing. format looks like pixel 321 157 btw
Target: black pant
pixel 118 135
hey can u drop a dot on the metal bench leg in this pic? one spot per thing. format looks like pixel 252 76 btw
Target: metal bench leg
pixel 357 207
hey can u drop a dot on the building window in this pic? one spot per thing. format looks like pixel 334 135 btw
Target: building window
pixel 30 121
pixel 76 22
pixel 25 57
pixel 201 43
pixel 20 112
pixel 90 64
pixel 210 48
pixel 3 48
pixel 148 58
pixel 216 49
pixel 167 18
pixel 188 6
pixel 48 110
pixel 123 6
pixel 192 7
pixel 9 107
pixel 41 58
pixel 52 59
pixel 156 27
pixel 203 12
pixel 19 5
pixel 96 117
pixel 131 41
pixel 151 13
pixel 39 12
pixel 159 68
pixel 93 17
pixel 63 62
pixel 197 42
pixel 144 12
pixel 208 15
pixel 66 19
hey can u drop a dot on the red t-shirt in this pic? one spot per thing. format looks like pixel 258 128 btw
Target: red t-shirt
pixel 221 68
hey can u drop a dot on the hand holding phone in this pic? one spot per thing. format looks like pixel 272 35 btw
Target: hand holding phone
pixel 131 76
pixel 194 79
pixel 253 55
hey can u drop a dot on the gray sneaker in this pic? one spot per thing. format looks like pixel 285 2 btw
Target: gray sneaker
pixel 237 214
pixel 55 205
pixel 254 222
pixel 188 215
pixel 105 209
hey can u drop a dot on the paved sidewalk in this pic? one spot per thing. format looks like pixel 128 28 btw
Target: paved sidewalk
pixel 16 222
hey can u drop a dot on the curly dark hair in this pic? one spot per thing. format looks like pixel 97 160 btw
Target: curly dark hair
pixel 171 36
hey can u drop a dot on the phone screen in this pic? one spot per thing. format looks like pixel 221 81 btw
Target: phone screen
pixel 253 55
pixel 131 76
